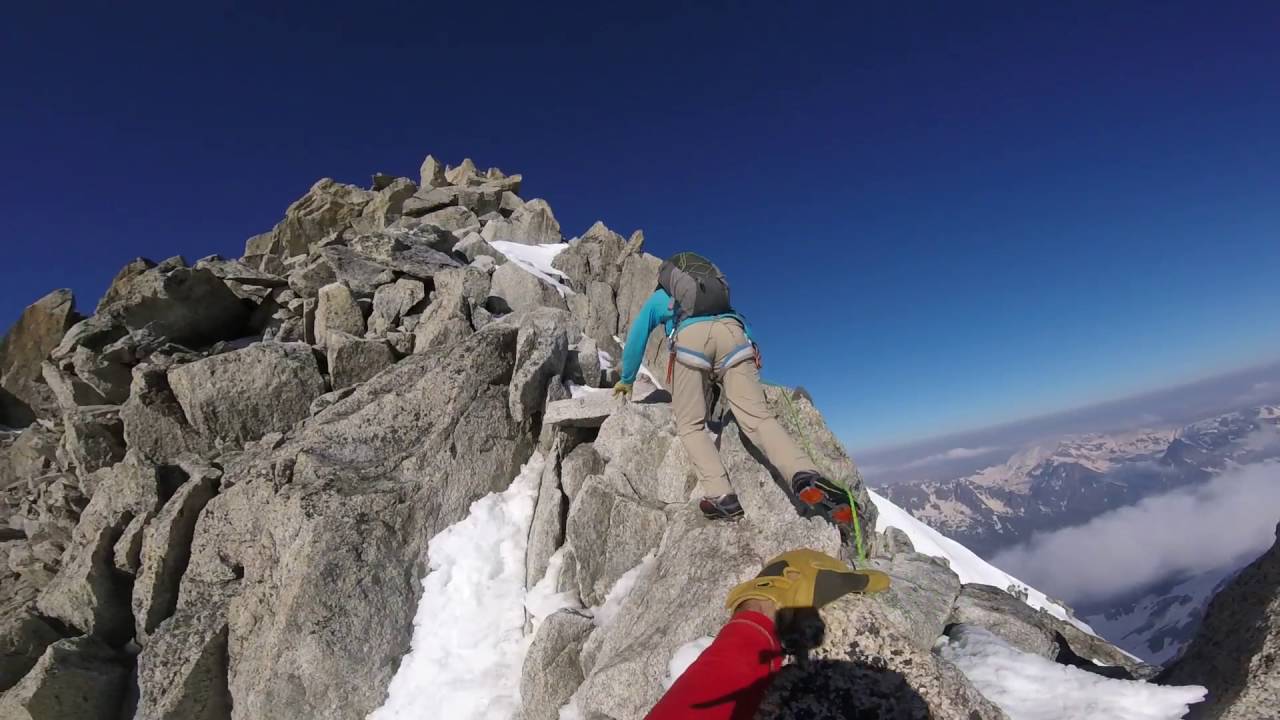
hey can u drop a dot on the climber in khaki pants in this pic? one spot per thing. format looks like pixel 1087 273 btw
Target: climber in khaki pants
pixel 709 343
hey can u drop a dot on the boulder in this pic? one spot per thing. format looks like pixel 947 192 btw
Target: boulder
pixel 463 174
pixel 419 252
pixel 521 290
pixel 1234 652
pixel 590 410
pixel 592 258
pixel 636 441
pixel 581 462
pixel 23 639
pixel 1007 617
pixel 867 667
pixel 615 533
pixel 474 246
pixel 456 219
pixel 388 202
pixel 585 364
pixel 76 679
pixel 552 667
pixel 186 306
pixel 99 370
pixel 535 224
pixel 22 350
pixel 182 672
pixel 635 284
pixel 326 208
pixel 445 323
pixel 315 274
pixel 337 311
pixel 93 438
pixel 546 533
pixel 165 551
pixel 392 302
pixel 541 352
pixel 353 360
pixel 432 173
pixel 921 596
pixel 241 396
pixel 69 392
pixel 154 423
pixel 116 289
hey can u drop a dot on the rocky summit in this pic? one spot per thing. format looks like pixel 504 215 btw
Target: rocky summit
pixel 219 490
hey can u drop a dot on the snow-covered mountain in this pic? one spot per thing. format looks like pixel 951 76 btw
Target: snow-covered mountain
pixel 1068 482
pixel 1158 622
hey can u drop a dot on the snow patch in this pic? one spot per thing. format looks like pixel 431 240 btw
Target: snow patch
pixel 468 642
pixel 1029 687
pixel 965 563
pixel 683 658
pixel 543 600
pixel 536 260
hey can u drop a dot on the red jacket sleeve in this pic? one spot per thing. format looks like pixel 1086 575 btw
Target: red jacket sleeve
pixel 729 679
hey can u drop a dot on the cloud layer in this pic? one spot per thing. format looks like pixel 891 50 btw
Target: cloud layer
pixel 1223 523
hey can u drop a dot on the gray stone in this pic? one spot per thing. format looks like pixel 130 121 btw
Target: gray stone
pixel 445 323
pixel 866 667
pixel 535 224
pixel 127 554
pixel 635 284
pixel 509 203
pixel 388 203
pixel 473 246
pixel 920 597
pixel 420 252
pixel 186 306
pixel 611 534
pixel 392 302
pixel 116 289
pixel 499 230
pixel 88 593
pixel 601 319
pixel 484 264
pixel 354 360
pixel 1005 616
pixel 457 219
pixel 182 672
pixel 307 281
pixel 326 208
pixel 587 411
pixel 76 679
pixel 1234 651
pixel 462 174
pixel 581 462
pixel 586 361
pixel 592 258
pixel 241 396
pixel 541 352
pixel 469 283
pixel 432 173
pixel 551 669
pixel 108 377
pixel 337 311
pixel 546 533
pixel 329 399
pixel 154 423
pixel 165 551
pixel 93 438
pixel 69 392
pixel 38 331
pixel 23 639
pixel 521 290
pixel 635 441
pixel 401 342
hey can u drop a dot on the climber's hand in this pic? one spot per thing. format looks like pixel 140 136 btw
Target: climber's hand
pixel 622 389
pixel 806 578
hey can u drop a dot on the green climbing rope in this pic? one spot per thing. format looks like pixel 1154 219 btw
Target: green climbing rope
pixel 794 416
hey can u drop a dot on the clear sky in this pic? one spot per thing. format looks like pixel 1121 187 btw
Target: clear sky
pixel 937 215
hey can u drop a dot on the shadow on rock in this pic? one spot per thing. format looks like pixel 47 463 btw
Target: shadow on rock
pixel 839 689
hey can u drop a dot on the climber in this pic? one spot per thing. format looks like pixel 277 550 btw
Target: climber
pixel 730 678
pixel 708 342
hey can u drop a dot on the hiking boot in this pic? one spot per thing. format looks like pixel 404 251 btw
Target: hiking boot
pixel 725 507
pixel 823 497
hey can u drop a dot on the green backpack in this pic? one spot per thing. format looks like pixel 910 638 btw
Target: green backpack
pixel 696 286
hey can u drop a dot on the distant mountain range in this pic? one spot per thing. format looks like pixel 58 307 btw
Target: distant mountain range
pixel 1077 478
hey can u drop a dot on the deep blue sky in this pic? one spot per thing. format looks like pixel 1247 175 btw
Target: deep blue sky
pixel 937 215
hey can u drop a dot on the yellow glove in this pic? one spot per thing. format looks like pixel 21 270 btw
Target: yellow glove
pixel 806 578
pixel 622 388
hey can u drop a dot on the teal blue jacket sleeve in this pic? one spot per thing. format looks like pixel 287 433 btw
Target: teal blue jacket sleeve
pixel 656 310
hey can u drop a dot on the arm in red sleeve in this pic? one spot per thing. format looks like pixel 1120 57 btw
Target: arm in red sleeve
pixel 729 679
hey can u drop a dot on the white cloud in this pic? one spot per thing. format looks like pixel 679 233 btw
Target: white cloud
pixel 959 453
pixel 1222 523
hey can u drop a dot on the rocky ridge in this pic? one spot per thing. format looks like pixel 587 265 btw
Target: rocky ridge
pixel 217 491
